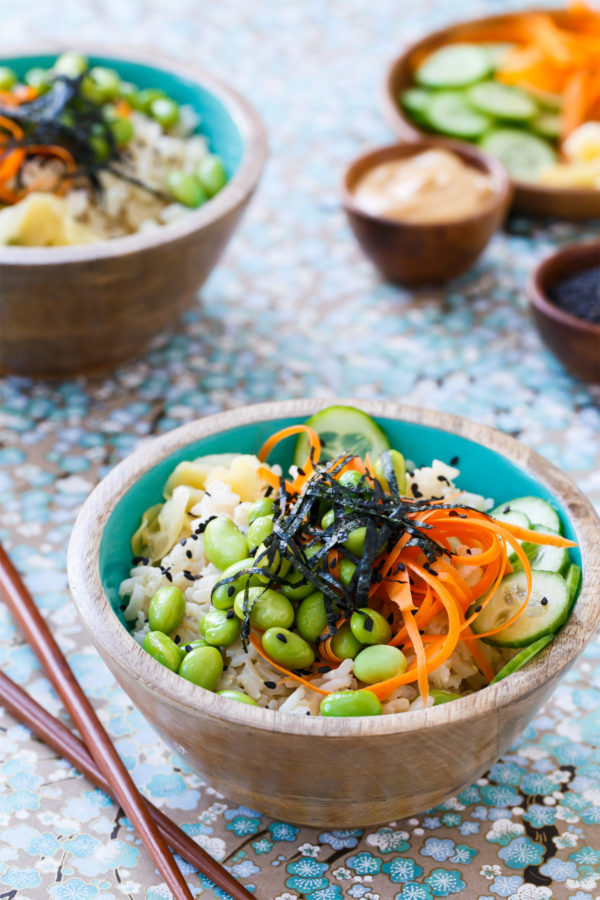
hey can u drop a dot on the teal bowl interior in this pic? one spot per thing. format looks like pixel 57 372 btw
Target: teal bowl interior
pixel 482 471
pixel 216 122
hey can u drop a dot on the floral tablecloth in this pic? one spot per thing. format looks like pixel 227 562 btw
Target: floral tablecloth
pixel 293 310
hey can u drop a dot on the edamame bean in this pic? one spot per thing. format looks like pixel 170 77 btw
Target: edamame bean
pixel 166 112
pixel 127 91
pixel 440 697
pixel 223 595
pixel 8 78
pixel 191 645
pixel 99 142
pixel 370 627
pixel 356 541
pixel 262 507
pixel 122 130
pixel 220 627
pixel 203 667
pixel 144 98
pixel 40 79
pixel 351 703
pixel 354 480
pixel 346 569
pixel 379 662
pixel 271 561
pixel 70 64
pixel 101 84
pixel 344 644
pixel 288 649
pixel 391 461
pixel 224 543
pixel 238 696
pixel 211 173
pixel 268 608
pixel 311 617
pixel 328 519
pixel 300 586
pixel 166 609
pixel 163 649
pixel 260 529
pixel 185 189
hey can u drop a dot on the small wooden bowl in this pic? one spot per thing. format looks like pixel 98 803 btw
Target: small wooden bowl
pixel 574 341
pixel 410 253
pixel 69 310
pixel 537 200
pixel 318 771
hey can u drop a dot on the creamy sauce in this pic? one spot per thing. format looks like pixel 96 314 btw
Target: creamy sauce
pixel 433 186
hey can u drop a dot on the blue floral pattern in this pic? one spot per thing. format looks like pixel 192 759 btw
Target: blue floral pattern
pixel 293 310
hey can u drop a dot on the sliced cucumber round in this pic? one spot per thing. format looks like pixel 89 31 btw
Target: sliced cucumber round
pixel 544 556
pixel 413 101
pixel 502 101
pixel 546 611
pixel 511 517
pixel 343 428
pixel 449 113
pixel 523 154
pixel 522 658
pixel 453 66
pixel 548 125
pixel 572 578
pixel 538 511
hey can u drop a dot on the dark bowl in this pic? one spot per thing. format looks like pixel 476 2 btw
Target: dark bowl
pixel 411 253
pixel 574 341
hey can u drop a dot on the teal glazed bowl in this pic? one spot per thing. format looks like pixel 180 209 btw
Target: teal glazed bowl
pixel 66 310
pixel 372 769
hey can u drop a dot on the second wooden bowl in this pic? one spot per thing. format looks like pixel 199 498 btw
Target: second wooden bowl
pixel 68 310
pixel 413 253
pixel 317 771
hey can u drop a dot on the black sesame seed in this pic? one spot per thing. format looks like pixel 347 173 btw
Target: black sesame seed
pixel 421 631
pixel 368 624
pixel 176 639
pixel 415 489
pixel 454 461
pixel 135 560
pixel 468 551
pixel 301 471
pixel 123 606
pixel 230 591
pixel 478 609
pixel 390 618
pixel 281 637
pixel 443 478
pixel 188 553
pixel 230 614
pixel 269 684
pixel 189 576
pixel 544 601
pixel 168 576
pixel 187 648
pixel 506 509
pixel 182 542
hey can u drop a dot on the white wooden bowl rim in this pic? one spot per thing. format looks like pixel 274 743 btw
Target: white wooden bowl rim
pixel 115 641
pixel 233 194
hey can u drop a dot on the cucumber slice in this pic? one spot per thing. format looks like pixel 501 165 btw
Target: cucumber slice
pixel 523 154
pixel 572 578
pixel 548 125
pixel 543 556
pixel 497 52
pixel 511 517
pixel 546 611
pixel 538 511
pixel 343 428
pixel 522 658
pixel 502 101
pixel 413 101
pixel 453 66
pixel 449 113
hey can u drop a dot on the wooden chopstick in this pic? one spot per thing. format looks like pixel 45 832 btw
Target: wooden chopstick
pixel 56 735
pixel 80 709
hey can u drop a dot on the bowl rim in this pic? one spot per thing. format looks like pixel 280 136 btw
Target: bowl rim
pixel 370 158
pixel 538 284
pixel 114 640
pixel 396 118
pixel 234 193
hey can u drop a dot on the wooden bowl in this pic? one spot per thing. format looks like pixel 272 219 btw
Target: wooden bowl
pixel 410 253
pixel 318 771
pixel 66 310
pixel 537 200
pixel 574 341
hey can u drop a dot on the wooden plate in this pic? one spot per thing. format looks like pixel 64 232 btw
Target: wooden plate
pixel 564 203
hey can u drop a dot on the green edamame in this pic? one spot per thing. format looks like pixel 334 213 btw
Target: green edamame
pixel 272 562
pixel 268 608
pixel 238 696
pixel 40 79
pixel 220 627
pixel 328 519
pixel 127 91
pixel 391 463
pixel 355 542
pixel 211 173
pixel 378 663
pixel 8 78
pixel 165 111
pixel 185 189
pixel 163 649
pixel 344 644
pixel 351 703
pixel 262 507
pixel 203 667
pixel 288 649
pixel 101 84
pixel 311 617
pixel 300 587
pixel 143 99
pixel 354 480
pixel 223 595
pixel 166 609
pixel 122 130
pixel 370 627
pixel 70 64
pixel 346 569
pixel 224 543
pixel 259 530
pixel 191 645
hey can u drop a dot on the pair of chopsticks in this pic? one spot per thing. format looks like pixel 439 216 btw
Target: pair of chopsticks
pixel 95 756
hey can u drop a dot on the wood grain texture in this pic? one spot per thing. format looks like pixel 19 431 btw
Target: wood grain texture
pixel 313 770
pixel 69 310
pixel 412 253
pixel 574 341
pixel 537 200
